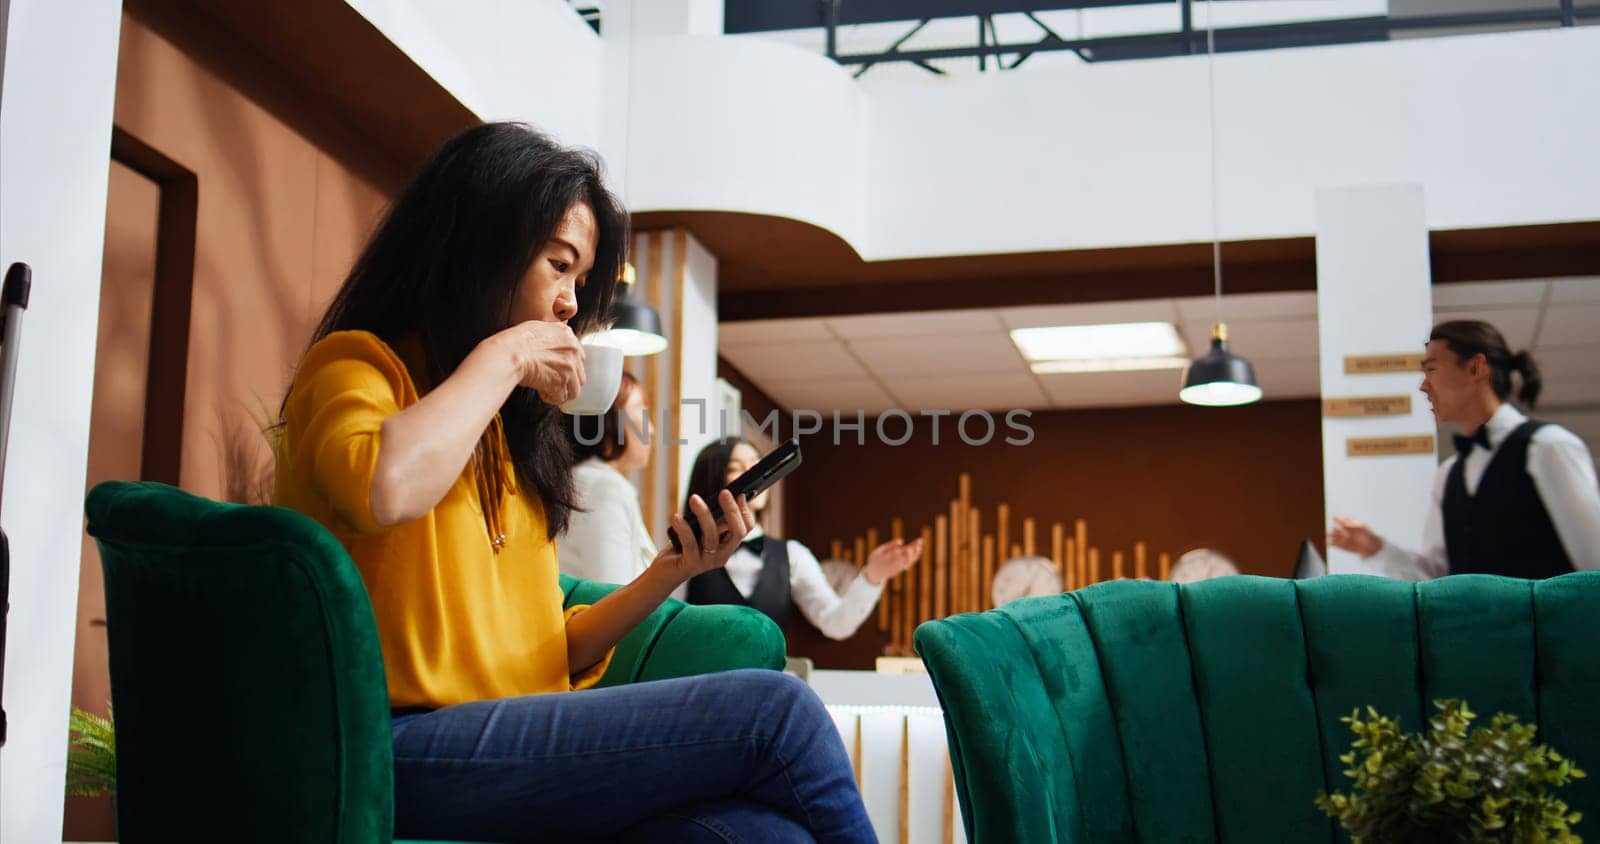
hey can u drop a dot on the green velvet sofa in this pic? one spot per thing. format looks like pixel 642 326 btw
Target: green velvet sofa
pixel 247 682
pixel 1152 711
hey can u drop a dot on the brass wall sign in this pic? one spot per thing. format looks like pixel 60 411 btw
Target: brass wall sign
pixel 1387 446
pixel 1367 406
pixel 1375 364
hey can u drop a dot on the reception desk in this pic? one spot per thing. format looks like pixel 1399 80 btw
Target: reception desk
pixel 894 731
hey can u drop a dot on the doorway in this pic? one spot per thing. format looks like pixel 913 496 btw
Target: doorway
pixel 136 420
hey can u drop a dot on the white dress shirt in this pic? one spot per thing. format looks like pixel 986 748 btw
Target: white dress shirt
pixel 1562 472
pixel 608 541
pixel 837 616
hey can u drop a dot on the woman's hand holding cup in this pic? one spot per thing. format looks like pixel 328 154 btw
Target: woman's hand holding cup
pixel 547 356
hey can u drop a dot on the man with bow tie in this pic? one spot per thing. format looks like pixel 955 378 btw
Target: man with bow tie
pixel 1520 498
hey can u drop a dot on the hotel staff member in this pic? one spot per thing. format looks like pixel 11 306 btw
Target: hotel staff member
pixel 1519 499
pixel 775 575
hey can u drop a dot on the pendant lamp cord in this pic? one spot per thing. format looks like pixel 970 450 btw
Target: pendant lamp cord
pixel 627 116
pixel 1211 111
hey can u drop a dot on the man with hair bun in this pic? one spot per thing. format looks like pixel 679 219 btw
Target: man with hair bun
pixel 1520 497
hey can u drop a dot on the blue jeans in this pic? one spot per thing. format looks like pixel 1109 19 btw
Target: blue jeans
pixel 739 756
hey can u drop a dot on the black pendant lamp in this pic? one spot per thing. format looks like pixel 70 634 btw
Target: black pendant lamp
pixel 1219 378
pixel 635 327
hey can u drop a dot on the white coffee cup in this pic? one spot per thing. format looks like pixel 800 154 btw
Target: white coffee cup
pixel 602 374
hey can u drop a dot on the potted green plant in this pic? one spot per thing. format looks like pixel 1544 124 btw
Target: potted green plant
pixel 1452 783
pixel 91 755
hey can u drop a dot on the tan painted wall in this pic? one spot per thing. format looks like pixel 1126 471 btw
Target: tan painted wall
pixel 280 220
pixel 279 223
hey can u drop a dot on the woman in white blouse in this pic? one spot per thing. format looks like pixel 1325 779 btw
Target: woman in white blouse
pixel 606 539
pixel 774 575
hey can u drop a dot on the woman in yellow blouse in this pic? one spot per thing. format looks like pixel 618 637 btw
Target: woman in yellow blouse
pixel 422 430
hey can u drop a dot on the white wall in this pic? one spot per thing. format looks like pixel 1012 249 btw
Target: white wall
pixel 1115 154
pixel 1067 156
pixel 533 60
pixel 625 23
pixel 1374 296
pixel 55 139
pixel 741 125
pixel 1108 155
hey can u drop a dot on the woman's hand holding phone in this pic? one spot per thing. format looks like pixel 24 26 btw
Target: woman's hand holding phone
pixel 714 544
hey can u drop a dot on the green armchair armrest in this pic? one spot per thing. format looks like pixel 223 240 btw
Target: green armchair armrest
pixel 680 640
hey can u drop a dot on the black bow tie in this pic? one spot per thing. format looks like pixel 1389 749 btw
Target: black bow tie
pixel 754 545
pixel 1465 443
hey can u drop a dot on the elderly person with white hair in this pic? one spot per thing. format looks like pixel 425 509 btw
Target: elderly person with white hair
pixel 1202 564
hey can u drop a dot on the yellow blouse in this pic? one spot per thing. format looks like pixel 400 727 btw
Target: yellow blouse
pixel 457 621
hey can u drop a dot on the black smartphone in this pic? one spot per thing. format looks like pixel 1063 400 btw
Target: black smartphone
pixel 757 479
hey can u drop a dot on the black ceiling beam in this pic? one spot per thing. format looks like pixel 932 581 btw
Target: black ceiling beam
pixel 896 46
pixel 1159 44
pixel 1235 39
pixel 745 16
pixel 1239 39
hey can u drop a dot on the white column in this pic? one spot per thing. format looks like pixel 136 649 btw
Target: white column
pixel 625 26
pixel 679 276
pixel 701 422
pixel 56 92
pixel 663 17
pixel 1374 297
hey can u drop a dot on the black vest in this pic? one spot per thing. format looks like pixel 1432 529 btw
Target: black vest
pixel 771 595
pixel 1504 527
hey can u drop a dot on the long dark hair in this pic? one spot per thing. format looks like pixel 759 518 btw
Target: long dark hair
pixel 1470 337
pixel 444 266
pixel 710 473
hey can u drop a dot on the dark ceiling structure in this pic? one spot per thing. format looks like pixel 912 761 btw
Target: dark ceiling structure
pixel 754 16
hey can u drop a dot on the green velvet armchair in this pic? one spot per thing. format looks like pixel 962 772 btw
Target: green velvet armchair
pixel 1140 711
pixel 246 677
